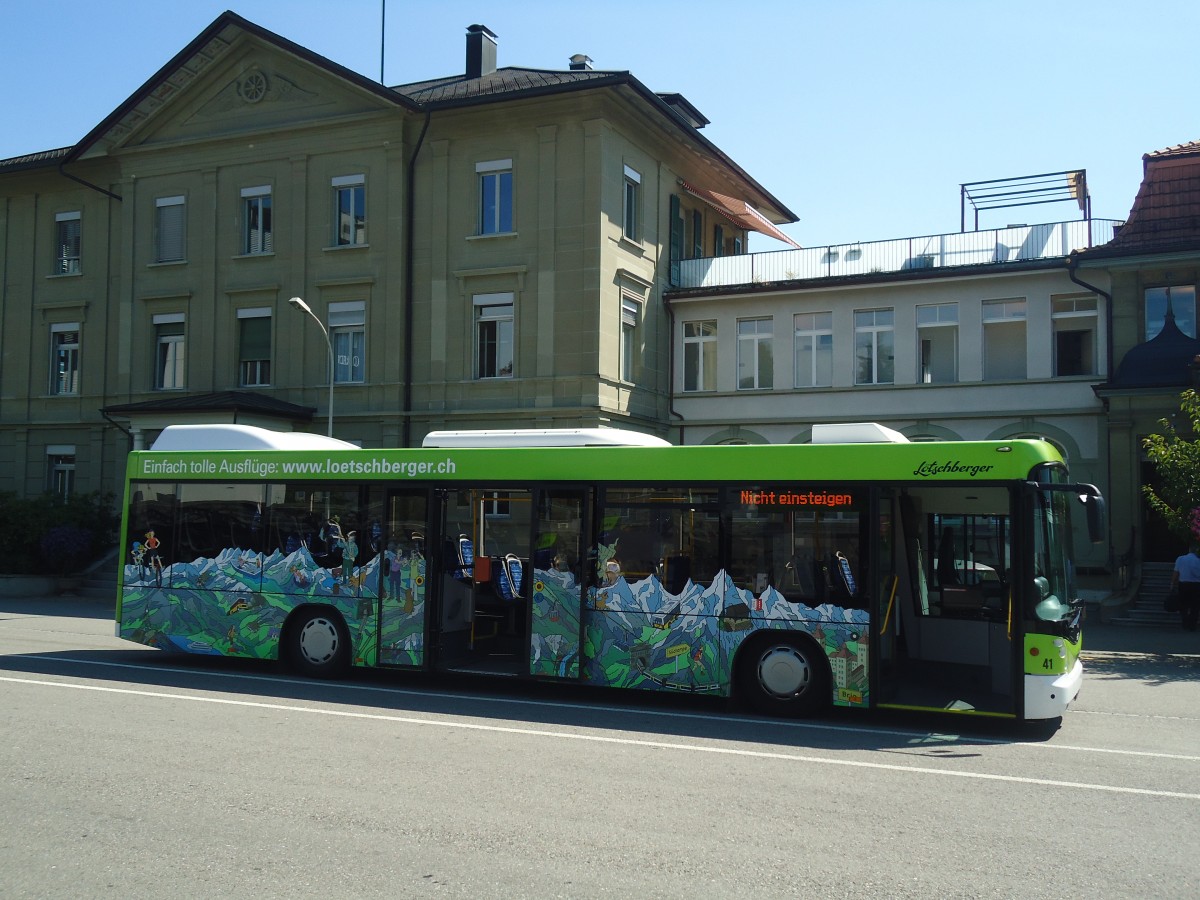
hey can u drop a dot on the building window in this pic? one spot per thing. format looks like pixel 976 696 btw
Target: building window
pixel 254 347
pixel 700 356
pixel 68 230
pixel 718 241
pixel 1074 320
pixel 350 210
pixel 495 196
pixel 813 349
pixel 169 220
pixel 631 315
pixel 874 346
pixel 256 221
pixel 60 470
pixel 937 337
pixel 1180 299
pixel 348 334
pixel 169 356
pixel 1004 340
pixel 697 234
pixel 755 362
pixel 494 335
pixel 64 362
pixel 631 219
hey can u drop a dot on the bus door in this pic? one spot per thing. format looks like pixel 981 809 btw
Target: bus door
pixel 557 583
pixel 402 579
pixel 481 618
pixel 947 636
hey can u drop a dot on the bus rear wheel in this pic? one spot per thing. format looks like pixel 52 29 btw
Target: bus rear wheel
pixel 319 645
pixel 783 675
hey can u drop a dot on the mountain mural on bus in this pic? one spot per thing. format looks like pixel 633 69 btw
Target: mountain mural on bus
pixel 236 604
pixel 639 635
pixel 633 634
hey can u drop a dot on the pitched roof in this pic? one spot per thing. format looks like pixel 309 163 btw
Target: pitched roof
pixel 33 160
pixel 232 401
pixel 1166 212
pixel 509 83
pixel 503 84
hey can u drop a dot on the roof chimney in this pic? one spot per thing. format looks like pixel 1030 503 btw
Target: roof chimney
pixel 481 51
pixel 581 62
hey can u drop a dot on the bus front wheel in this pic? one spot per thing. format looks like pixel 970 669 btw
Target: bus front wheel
pixel 319 646
pixel 783 675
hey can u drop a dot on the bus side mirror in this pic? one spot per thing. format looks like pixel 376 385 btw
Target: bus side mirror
pixel 1093 506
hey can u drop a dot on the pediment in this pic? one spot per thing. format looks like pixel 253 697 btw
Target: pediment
pixel 234 83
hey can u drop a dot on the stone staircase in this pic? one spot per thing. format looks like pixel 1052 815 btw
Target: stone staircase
pixel 1147 608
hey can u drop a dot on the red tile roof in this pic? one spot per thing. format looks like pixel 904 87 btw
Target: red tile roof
pixel 1166 212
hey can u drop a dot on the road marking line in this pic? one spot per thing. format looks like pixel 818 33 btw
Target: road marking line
pixel 926 737
pixel 601 739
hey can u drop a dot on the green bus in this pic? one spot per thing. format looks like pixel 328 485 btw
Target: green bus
pixel 860 570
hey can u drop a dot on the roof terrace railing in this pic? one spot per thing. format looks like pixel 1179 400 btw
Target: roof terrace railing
pixel 971 248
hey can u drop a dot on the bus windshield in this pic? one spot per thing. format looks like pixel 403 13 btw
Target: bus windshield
pixel 1055 598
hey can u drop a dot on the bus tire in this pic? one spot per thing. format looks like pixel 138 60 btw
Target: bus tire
pixel 318 644
pixel 781 674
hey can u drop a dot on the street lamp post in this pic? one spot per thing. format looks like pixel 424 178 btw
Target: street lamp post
pixel 299 304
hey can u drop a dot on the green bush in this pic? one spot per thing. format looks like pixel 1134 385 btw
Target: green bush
pixel 47 535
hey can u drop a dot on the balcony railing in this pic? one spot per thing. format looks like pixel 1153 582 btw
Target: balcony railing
pixel 971 248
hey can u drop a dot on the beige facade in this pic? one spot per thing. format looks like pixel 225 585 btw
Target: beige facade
pixel 483 251
pixel 966 354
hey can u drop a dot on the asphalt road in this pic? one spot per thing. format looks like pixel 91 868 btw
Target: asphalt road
pixel 131 773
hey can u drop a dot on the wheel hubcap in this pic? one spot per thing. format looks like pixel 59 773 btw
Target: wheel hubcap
pixel 319 640
pixel 784 672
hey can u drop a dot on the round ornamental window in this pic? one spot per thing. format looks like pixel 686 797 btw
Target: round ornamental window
pixel 253 87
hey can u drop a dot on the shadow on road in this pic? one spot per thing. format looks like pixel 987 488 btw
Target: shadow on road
pixel 528 704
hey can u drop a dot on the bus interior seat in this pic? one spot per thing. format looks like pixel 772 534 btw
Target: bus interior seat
pixel 509 573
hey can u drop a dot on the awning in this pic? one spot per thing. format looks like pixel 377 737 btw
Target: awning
pixel 740 213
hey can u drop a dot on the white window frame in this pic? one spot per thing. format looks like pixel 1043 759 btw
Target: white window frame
pixel 631 202
pixel 754 372
pixel 877 337
pixel 257 207
pixel 1076 314
pixel 995 315
pixel 60 469
pixel 812 333
pixel 170 352
pixel 170 229
pixel 937 324
pixel 348 335
pixel 495 329
pixel 68 243
pixel 64 381
pixel 349 229
pixel 700 355
pixel 631 317
pixel 254 372
pixel 496 201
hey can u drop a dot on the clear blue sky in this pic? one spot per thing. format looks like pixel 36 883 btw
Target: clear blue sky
pixel 862 117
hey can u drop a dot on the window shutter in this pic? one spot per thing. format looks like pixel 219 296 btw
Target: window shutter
pixel 256 338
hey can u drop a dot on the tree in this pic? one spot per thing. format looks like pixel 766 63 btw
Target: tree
pixel 1177 458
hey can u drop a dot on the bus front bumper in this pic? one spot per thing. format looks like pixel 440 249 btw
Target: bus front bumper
pixel 1048 696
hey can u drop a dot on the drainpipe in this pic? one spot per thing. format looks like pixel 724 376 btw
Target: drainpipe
pixel 1072 266
pixel 409 282
pixel 95 187
pixel 671 372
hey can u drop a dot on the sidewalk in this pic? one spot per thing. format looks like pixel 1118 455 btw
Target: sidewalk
pixel 1154 640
